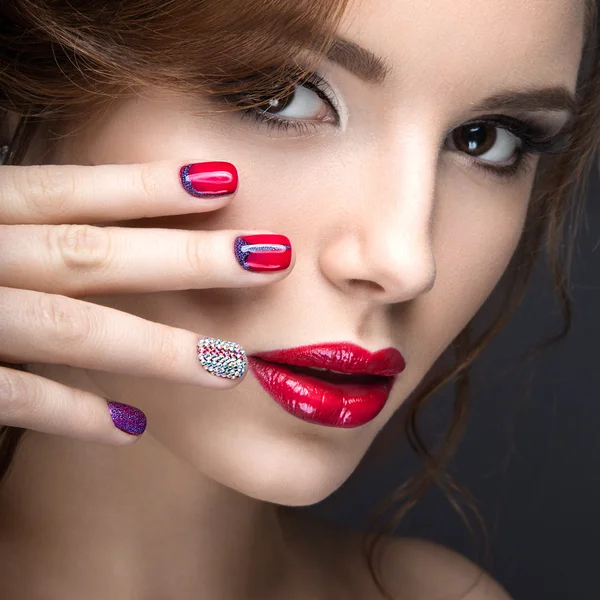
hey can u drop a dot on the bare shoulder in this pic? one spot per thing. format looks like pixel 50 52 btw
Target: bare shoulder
pixel 410 568
pixel 423 570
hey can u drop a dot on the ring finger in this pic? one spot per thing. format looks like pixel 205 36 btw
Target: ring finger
pixel 47 328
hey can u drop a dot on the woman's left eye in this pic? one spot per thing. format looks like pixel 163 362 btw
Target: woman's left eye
pixel 487 142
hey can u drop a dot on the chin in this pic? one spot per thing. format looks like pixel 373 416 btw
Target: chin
pixel 305 483
pixel 290 472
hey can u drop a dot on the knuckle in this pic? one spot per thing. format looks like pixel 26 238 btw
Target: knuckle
pixel 48 189
pixel 61 321
pixel 83 410
pixel 198 255
pixel 80 246
pixel 14 393
pixel 167 350
pixel 145 183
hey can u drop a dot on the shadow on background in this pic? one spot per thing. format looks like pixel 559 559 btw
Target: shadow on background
pixel 531 453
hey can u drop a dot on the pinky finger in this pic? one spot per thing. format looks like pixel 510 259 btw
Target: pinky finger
pixel 33 402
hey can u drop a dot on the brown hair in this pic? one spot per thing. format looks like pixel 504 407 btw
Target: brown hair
pixel 61 59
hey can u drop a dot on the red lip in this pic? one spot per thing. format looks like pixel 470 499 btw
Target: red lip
pixel 348 400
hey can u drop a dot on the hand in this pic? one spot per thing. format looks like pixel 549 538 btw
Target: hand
pixel 46 265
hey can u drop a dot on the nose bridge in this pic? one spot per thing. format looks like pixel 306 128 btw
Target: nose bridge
pixel 388 241
pixel 400 218
pixel 398 231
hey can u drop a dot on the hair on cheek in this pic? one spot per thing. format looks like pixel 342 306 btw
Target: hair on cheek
pixel 63 58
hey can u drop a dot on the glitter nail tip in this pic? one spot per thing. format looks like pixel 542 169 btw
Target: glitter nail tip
pixel 209 179
pixel 222 358
pixel 263 252
pixel 127 418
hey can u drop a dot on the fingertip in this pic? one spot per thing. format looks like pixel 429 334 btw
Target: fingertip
pixel 209 179
pixel 264 252
pixel 126 418
pixel 225 362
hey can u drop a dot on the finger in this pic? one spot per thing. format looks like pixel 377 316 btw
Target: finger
pixel 32 402
pixel 84 260
pixel 55 194
pixel 46 328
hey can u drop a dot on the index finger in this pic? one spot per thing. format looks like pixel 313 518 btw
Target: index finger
pixel 55 194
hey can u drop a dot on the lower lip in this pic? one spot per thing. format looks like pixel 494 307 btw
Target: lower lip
pixel 316 401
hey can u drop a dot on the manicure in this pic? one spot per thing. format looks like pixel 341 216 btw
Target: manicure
pixel 209 179
pixel 127 418
pixel 222 358
pixel 265 252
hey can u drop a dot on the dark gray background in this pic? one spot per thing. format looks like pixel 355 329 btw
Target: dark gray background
pixel 531 454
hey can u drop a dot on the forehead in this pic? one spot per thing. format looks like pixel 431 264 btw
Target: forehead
pixel 445 43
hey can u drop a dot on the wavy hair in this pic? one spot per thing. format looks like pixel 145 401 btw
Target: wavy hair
pixel 61 59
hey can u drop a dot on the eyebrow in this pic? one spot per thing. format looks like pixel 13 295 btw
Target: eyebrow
pixel 369 67
pixel 357 60
pixel 551 99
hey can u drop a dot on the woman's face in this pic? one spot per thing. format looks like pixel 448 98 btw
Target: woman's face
pixel 384 185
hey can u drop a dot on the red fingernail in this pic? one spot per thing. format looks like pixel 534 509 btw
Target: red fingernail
pixel 263 252
pixel 209 179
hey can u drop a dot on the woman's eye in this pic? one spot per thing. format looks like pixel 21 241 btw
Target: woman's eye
pixel 486 142
pixel 301 104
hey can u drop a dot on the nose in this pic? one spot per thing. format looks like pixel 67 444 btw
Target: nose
pixel 383 249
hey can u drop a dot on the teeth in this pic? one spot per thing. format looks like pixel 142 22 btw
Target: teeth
pixel 328 370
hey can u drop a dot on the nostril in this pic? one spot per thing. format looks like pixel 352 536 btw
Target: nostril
pixel 367 285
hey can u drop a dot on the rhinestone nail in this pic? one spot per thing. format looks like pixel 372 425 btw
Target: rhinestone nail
pixel 222 358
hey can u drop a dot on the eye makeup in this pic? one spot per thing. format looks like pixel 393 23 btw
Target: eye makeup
pixel 257 106
pixel 532 137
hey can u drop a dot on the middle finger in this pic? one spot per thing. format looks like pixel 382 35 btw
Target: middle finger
pixel 83 260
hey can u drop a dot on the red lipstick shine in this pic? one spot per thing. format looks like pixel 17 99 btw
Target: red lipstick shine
pixel 351 397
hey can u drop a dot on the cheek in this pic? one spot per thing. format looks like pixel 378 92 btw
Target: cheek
pixel 270 191
pixel 477 227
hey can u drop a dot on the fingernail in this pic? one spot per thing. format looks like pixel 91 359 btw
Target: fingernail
pixel 222 358
pixel 266 252
pixel 208 179
pixel 127 418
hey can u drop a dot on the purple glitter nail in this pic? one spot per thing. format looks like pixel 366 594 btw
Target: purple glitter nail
pixel 127 418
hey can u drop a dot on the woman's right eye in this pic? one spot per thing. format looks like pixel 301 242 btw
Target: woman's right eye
pixel 307 103
pixel 301 104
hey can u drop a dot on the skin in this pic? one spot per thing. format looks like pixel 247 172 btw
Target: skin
pixel 397 242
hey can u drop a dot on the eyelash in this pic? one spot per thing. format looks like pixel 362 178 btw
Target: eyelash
pixel 313 82
pixel 534 139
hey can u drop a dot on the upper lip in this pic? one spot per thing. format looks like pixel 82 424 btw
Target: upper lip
pixel 344 357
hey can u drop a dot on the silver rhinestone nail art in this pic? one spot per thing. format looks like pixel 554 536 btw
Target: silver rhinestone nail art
pixel 222 358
